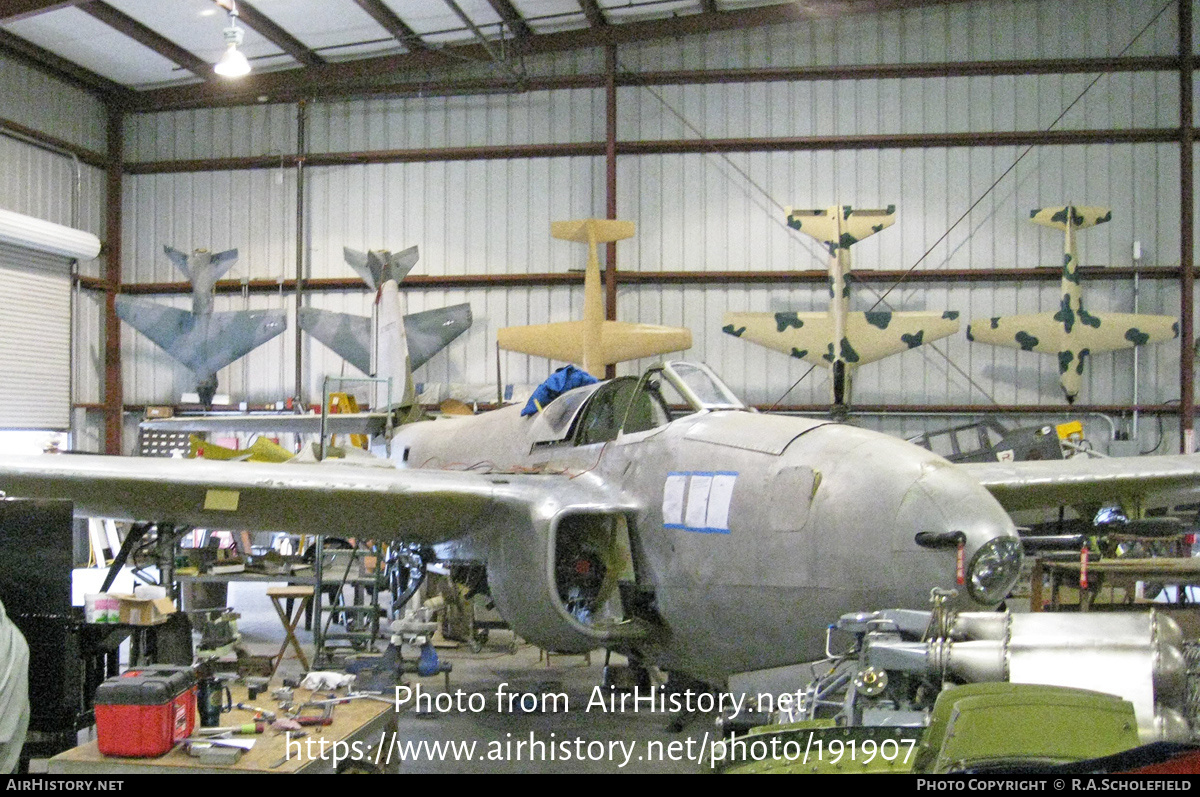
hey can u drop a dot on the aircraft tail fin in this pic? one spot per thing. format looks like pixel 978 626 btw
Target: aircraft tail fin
pixel 841 225
pixel 377 267
pixel 1081 216
pixel 220 263
pixel 598 230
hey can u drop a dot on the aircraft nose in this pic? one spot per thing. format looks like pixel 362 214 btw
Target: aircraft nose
pixel 944 511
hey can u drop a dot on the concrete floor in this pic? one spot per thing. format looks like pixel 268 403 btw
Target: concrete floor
pixel 546 725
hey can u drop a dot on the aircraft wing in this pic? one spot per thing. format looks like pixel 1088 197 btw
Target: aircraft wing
pixel 618 341
pixel 205 344
pixel 873 336
pixel 1130 481
pixel 1043 332
pixel 372 423
pixel 326 498
pixel 1036 332
pixel 348 335
pixel 559 340
pixel 1110 331
pixel 805 336
pixel 626 340
pixel 430 331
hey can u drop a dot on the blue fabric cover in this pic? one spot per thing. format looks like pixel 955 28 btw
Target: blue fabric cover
pixel 566 378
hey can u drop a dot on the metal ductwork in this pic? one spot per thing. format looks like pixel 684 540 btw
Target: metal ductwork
pixel 28 232
pixel 1135 656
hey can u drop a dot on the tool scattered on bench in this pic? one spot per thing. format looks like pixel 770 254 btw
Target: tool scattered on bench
pixel 244 728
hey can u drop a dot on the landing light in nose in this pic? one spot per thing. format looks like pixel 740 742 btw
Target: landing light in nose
pixel 994 569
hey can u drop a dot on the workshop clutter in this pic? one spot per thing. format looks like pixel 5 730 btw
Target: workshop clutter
pixel 101 607
pixel 146 711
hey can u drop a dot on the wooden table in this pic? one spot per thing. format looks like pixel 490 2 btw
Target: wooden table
pixel 367 722
pixel 1182 572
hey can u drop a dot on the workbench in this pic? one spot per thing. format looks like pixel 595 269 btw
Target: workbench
pixel 364 721
pixel 1126 573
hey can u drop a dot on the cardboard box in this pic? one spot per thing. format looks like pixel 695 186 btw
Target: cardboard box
pixel 143 611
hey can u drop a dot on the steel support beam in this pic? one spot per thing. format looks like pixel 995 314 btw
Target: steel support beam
pixel 53 143
pixel 301 133
pixel 1187 262
pixel 143 35
pixel 387 19
pixel 674 146
pixel 12 10
pixel 266 27
pixel 418 282
pixel 512 18
pixel 610 187
pixel 114 422
pixel 289 84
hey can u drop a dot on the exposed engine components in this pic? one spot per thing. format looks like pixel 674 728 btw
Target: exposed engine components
pixel 900 660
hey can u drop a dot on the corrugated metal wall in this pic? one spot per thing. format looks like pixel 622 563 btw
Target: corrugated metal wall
pixel 42 183
pixel 36 100
pixel 709 212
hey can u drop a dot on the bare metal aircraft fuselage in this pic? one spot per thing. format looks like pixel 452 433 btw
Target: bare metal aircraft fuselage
pixel 745 533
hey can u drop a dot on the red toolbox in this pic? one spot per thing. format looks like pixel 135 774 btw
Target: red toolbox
pixel 145 711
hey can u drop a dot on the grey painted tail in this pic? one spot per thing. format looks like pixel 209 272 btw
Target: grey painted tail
pixel 378 266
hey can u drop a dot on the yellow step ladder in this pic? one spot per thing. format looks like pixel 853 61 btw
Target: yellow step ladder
pixel 346 403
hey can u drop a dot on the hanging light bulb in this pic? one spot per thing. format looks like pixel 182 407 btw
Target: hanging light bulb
pixel 233 63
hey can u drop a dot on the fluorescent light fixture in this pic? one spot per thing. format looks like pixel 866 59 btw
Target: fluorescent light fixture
pixel 233 63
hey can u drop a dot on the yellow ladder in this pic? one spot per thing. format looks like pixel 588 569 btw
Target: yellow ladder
pixel 346 403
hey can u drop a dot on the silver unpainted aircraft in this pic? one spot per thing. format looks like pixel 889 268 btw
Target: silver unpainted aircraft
pixel 653 514
pixel 202 340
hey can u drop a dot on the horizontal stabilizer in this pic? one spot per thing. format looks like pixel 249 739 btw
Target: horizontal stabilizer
pixel 599 230
pixel 1047 332
pixel 618 341
pixel 377 267
pixel 1082 216
pixel 180 259
pixel 841 224
pixel 205 343
pixel 219 263
pixel 869 336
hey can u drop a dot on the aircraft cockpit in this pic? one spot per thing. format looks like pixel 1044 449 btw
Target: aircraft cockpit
pixel 630 404
pixel 666 391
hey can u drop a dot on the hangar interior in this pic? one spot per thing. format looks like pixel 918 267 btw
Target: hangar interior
pixel 467 128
